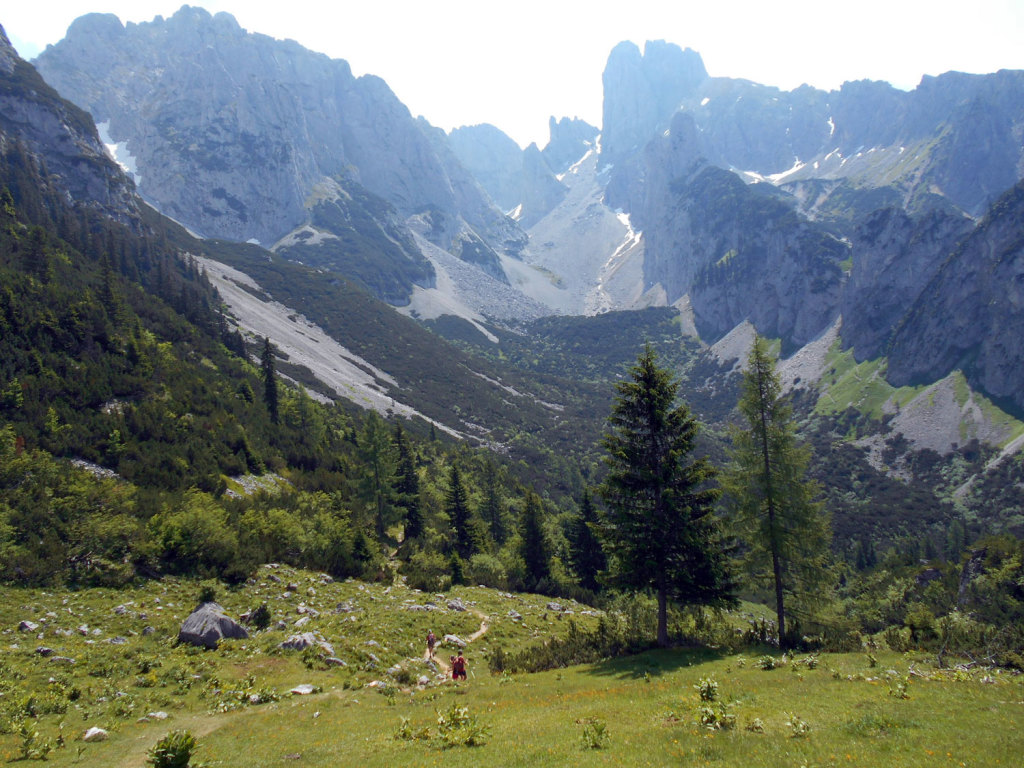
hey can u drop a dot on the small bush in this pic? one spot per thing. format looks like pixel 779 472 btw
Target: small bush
pixel 207 592
pixel 766 662
pixel 707 689
pixel 260 617
pixel 798 727
pixel 174 750
pixel 595 733
pixel 458 728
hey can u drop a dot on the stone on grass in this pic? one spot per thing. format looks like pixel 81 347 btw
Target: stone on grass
pixel 455 604
pixel 307 640
pixel 95 734
pixel 28 626
pixel 455 640
pixel 207 625
pixel 303 690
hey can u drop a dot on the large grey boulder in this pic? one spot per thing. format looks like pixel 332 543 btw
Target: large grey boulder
pixel 207 625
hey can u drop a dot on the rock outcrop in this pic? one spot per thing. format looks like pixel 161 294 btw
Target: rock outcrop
pixel 40 128
pixel 207 625
pixel 971 315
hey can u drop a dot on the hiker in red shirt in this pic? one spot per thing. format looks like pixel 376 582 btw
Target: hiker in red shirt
pixel 459 667
pixel 431 641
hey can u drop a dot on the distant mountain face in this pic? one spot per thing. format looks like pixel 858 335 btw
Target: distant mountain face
pixel 38 127
pixel 234 134
pixel 789 209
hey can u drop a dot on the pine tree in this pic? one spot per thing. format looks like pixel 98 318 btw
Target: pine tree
pixel 534 548
pixel 269 372
pixel 785 530
pixel 659 530
pixel 585 551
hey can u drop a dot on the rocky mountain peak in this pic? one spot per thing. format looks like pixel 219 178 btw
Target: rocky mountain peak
pixel 643 91
pixel 570 139
pixel 233 133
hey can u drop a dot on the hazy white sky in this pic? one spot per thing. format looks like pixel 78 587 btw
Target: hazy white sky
pixel 514 64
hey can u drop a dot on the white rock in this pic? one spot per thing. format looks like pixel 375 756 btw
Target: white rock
pixel 95 734
pixel 303 690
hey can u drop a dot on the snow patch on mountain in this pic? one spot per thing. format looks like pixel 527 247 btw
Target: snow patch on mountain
pixel 118 151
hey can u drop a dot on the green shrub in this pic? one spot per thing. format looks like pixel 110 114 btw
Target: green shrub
pixel 427 571
pixel 174 750
pixel 260 617
pixel 458 728
pixel 707 689
pixel 595 733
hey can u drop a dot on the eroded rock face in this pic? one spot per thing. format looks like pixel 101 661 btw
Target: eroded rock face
pixel 207 625
pixel 230 131
pixel 971 315
pixel 897 255
pixel 38 126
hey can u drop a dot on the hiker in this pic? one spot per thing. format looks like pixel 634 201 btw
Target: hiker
pixel 431 642
pixel 458 667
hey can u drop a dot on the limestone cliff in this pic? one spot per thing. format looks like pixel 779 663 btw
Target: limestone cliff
pixel 231 133
pixel 39 127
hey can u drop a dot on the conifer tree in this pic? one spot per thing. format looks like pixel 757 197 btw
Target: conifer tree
pixel 407 486
pixel 377 484
pixel 585 550
pixel 534 548
pixel 457 508
pixel 491 508
pixel 784 529
pixel 269 372
pixel 658 529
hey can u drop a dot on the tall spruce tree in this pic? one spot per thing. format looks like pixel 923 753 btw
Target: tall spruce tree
pixel 456 505
pixel 772 502
pixel 492 510
pixel 407 486
pixel 585 551
pixel 659 528
pixel 534 548
pixel 268 370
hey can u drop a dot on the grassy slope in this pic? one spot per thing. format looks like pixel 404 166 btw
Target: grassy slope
pixel 647 701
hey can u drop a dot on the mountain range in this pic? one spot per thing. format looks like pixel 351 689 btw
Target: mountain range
pixel 876 234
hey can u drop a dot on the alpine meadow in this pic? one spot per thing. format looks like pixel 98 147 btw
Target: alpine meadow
pixel 329 437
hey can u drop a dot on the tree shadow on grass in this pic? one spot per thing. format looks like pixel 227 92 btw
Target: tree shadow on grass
pixel 655 662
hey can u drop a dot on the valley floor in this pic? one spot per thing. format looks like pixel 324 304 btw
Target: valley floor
pixel 831 710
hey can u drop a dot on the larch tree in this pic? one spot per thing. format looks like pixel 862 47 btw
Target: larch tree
pixel 658 528
pixel 376 486
pixel 771 501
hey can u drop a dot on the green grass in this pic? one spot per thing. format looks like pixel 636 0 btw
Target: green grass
pixel 862 386
pixel 647 703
